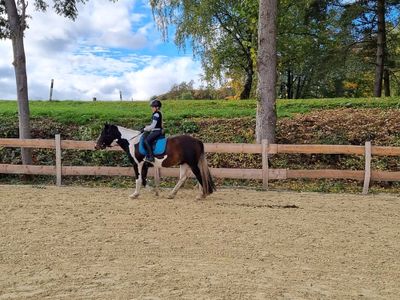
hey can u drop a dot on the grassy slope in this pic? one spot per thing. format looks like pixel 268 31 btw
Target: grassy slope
pixel 80 112
pixel 332 121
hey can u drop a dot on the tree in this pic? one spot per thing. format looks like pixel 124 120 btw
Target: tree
pixel 13 27
pixel 311 49
pixel 370 20
pixel 380 48
pixel 267 71
pixel 223 33
pixel 392 70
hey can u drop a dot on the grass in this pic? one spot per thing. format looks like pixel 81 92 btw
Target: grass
pixel 83 112
pixel 185 116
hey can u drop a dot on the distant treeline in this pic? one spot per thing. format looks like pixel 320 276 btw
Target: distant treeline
pixel 187 91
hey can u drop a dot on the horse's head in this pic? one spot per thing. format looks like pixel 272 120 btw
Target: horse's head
pixel 109 134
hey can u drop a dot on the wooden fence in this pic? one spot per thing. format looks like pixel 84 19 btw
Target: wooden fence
pixel 264 173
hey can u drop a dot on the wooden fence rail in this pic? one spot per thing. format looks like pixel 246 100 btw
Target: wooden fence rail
pixel 219 148
pixel 264 173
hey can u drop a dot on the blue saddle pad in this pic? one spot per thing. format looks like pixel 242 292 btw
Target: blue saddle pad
pixel 158 147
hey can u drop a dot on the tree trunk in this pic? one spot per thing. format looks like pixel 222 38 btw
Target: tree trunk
pixel 267 64
pixel 299 87
pixel 380 49
pixel 339 89
pixel 249 81
pixel 289 84
pixel 386 82
pixel 17 27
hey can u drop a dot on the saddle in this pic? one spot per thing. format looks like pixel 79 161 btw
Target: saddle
pixel 158 146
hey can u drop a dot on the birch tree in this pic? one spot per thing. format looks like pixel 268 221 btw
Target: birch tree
pixel 13 23
pixel 267 71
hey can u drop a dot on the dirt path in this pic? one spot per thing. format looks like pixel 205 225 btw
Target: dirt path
pixel 83 243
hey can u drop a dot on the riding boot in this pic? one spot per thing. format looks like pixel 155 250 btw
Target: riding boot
pixel 149 150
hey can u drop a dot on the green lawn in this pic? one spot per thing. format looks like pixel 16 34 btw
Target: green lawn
pixel 82 112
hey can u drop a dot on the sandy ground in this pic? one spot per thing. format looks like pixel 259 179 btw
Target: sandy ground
pixel 92 243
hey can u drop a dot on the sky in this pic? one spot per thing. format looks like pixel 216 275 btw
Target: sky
pixel 111 47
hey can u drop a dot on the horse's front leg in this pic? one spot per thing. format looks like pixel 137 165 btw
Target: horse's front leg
pixel 156 181
pixel 138 182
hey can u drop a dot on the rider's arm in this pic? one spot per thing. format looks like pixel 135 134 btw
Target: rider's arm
pixel 153 124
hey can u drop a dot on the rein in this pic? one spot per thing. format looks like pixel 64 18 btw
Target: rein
pixel 129 139
pixel 135 136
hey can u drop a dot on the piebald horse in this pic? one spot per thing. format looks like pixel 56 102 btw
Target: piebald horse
pixel 182 150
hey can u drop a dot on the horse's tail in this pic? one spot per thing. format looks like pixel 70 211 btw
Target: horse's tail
pixel 207 181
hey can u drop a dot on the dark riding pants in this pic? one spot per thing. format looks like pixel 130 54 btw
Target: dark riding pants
pixel 149 138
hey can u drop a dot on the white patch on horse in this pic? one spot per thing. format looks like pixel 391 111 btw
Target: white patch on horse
pixel 114 143
pixel 158 161
pixel 132 152
pixel 133 138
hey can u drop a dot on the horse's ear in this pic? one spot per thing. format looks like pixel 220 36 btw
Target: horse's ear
pixel 106 125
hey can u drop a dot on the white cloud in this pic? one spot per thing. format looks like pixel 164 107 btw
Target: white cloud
pixel 101 53
pixel 155 78
pixel 160 75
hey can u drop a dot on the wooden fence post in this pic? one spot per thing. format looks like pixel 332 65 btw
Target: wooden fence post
pixel 367 174
pixel 265 167
pixel 51 90
pixel 58 160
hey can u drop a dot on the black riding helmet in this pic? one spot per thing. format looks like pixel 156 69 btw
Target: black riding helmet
pixel 155 103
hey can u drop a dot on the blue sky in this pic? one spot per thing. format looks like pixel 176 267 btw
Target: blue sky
pixel 110 47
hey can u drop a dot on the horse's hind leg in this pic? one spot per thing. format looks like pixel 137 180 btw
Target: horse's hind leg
pixel 183 174
pixel 197 173
pixel 201 194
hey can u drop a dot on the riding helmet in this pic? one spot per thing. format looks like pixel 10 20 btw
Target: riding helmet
pixel 155 103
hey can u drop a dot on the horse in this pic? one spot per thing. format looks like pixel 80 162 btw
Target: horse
pixel 183 150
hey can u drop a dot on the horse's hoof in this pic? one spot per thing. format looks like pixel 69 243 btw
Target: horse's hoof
pixel 134 196
pixel 156 194
pixel 171 196
pixel 200 197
